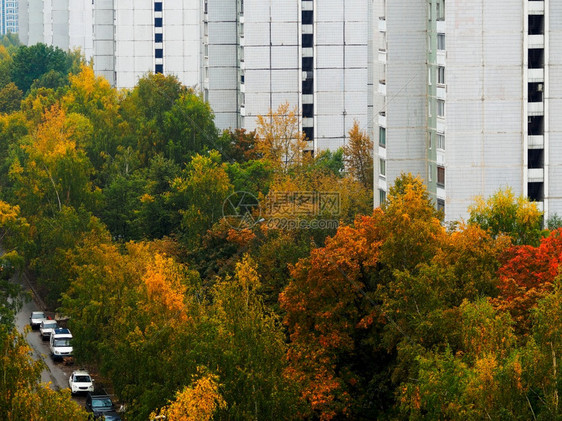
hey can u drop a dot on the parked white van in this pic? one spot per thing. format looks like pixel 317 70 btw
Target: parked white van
pixel 61 344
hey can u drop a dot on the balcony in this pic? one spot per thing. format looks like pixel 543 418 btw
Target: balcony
pixel 536 41
pixel 536 7
pixel 440 57
pixel 382 87
pixel 535 75
pixel 535 108
pixel 382 55
pixel 441 92
pixel 382 119
pixel 382 24
pixel 535 142
pixel 440 125
pixel 535 175
pixel 440 27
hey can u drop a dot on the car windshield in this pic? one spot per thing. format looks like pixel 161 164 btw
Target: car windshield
pixel 38 315
pixel 62 342
pixel 82 379
pixel 49 325
pixel 101 403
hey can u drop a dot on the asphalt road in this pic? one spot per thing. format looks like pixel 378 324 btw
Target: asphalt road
pixel 55 373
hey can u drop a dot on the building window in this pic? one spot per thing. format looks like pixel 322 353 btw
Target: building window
pixel 158 6
pixel 440 108
pixel 382 136
pixel 430 140
pixel 158 37
pixel 308 86
pixel 441 10
pixel 241 7
pixel 307 40
pixel 535 158
pixel 441 205
pixel 307 17
pixel 308 110
pixel 535 191
pixel 308 132
pixel 307 63
pixel 440 41
pixel 441 176
pixel 440 141
pixel 206 7
pixel 382 167
pixel 159 68
pixel 429 173
pixel 159 53
pixel 441 75
pixel 382 197
pixel 158 22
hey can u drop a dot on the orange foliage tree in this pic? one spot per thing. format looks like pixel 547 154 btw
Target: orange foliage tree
pixel 528 275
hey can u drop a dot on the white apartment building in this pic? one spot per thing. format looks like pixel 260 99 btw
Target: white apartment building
pixel 246 56
pixel 468 97
pixel 313 55
pixel 8 16
pixel 66 24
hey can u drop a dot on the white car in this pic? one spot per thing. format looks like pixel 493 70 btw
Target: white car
pixel 35 319
pixel 61 344
pixel 47 327
pixel 80 381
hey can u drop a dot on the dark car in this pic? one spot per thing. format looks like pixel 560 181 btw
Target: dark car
pixel 101 407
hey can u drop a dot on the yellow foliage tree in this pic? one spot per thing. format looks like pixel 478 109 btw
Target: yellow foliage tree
pixel 279 138
pixel 358 154
pixel 197 402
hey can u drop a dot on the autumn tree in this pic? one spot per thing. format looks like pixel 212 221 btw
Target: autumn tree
pixel 528 275
pixel 324 304
pixel 358 154
pixel 503 213
pixel 279 138
pixel 52 170
pixel 22 396
pixel 199 193
pixel 198 402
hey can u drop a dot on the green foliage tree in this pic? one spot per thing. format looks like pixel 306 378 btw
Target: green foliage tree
pixel 31 63
pixel 10 98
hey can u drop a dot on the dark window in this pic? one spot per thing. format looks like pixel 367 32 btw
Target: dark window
pixel 307 63
pixel 307 17
pixel 535 91
pixel 158 37
pixel 308 86
pixel 535 125
pixel 536 24
pixel 441 205
pixel 159 68
pixel 441 176
pixel 158 22
pixel 535 191
pixel 308 132
pixel 307 40
pixel 382 136
pixel 308 110
pixel 158 6
pixel 159 53
pixel 535 158
pixel 382 197
pixel 536 58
